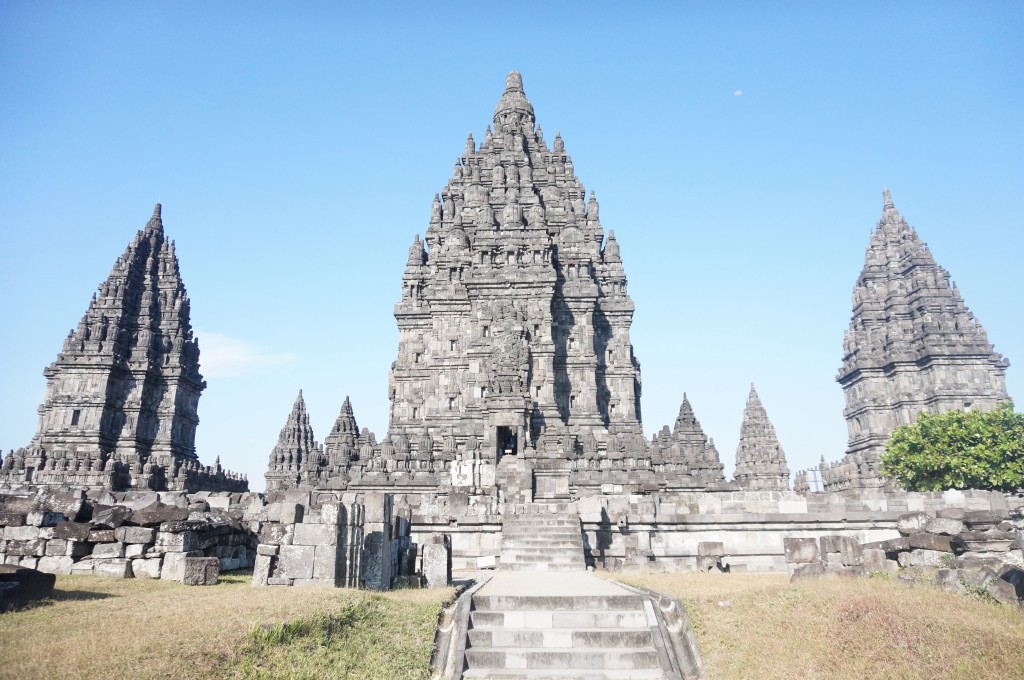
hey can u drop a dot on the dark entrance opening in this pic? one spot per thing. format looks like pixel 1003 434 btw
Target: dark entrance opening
pixel 506 441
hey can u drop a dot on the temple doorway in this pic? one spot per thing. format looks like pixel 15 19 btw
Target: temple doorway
pixel 507 441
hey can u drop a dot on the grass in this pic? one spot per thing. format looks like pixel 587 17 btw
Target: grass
pixel 761 626
pixel 97 627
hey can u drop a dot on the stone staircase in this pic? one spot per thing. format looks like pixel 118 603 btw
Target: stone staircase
pixel 531 626
pixel 541 537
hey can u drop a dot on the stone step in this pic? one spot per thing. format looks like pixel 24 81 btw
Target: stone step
pixel 559 638
pixel 557 603
pixel 556 674
pixel 539 520
pixel 511 554
pixel 591 659
pixel 581 620
pixel 537 543
pixel 541 566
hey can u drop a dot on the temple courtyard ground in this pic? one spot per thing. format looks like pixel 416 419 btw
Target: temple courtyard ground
pixel 748 626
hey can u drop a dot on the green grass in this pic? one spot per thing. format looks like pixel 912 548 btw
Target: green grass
pixel 763 627
pixel 97 627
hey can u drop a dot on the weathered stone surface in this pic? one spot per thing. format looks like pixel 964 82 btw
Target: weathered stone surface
pixel 800 550
pixel 949 580
pixel 115 549
pixel 913 346
pixel 201 571
pixel 147 568
pixel 116 567
pixel 72 531
pixel 911 523
pixel 44 518
pixel 265 549
pixel 12 519
pixel 983 541
pixel 143 535
pixel 156 514
pixel 980 520
pixel 55 564
pixel 925 541
pixel 32 584
pixel 315 534
pixel 436 570
pixel 377 561
pixel 943 526
pixel 295 561
pixel 928 558
pixel 109 516
pixel 876 561
pixel 22 533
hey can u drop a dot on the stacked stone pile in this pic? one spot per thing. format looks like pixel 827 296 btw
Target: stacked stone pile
pixel 187 538
pixel 956 549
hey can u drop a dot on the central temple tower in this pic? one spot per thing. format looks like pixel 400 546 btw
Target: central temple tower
pixel 514 317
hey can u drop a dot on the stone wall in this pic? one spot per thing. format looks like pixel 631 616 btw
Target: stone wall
pixel 188 538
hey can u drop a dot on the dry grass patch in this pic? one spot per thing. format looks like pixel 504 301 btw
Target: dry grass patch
pixel 761 626
pixel 98 627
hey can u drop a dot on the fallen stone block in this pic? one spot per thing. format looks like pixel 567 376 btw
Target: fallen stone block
pixel 157 513
pixel 201 571
pixel 33 548
pixel 108 550
pixel 83 567
pixel 109 516
pixel 877 562
pixel 12 519
pixel 43 518
pixel 929 558
pixel 22 533
pixel 116 567
pixel 800 550
pixel 911 523
pixel 72 531
pixel 128 534
pixel 56 547
pixel 943 526
pixel 979 520
pixel 32 583
pixel 1015 577
pixel 295 561
pixel 147 567
pixel 101 536
pixel 55 564
pixel 436 569
pixel 925 541
pixel 266 549
pixel 983 541
pixel 949 580
pixel 78 548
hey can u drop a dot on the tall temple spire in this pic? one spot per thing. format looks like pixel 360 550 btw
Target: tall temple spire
pixel 760 460
pixel 296 459
pixel 913 346
pixel 122 395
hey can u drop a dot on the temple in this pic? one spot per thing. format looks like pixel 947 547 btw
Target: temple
pixel 913 346
pixel 120 410
pixel 760 460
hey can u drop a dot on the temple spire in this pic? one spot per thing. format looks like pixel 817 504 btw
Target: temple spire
pixel 760 460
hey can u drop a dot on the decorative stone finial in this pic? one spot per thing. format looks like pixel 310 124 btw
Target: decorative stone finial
pixel 887 199
pixel 155 222
pixel 514 81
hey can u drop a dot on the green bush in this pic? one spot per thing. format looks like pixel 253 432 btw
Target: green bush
pixel 959 450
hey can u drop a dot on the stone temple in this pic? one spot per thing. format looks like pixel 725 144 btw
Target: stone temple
pixel 515 372
pixel 121 398
pixel 913 347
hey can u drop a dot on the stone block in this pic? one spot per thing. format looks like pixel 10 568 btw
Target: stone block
pixel 173 568
pixel 276 534
pixel 201 571
pixel 155 514
pixel 143 535
pixel 185 541
pixel 12 519
pixel 147 568
pixel 78 548
pixel 800 550
pixel 33 584
pixel 72 530
pixel 923 541
pixel 943 526
pixel 107 550
pixel 22 533
pixel 709 549
pixel 332 513
pixel 295 561
pixel 928 558
pixel 315 534
pixel 55 564
pixel 376 560
pixel 83 567
pixel 261 570
pixel 949 580
pixel 328 563
pixel 101 536
pixel 983 541
pixel 979 520
pixel 291 513
pixel 56 547
pixel 436 569
pixel 267 549
pixel 951 513
pixel 33 548
pixel 134 550
pixel 44 518
pixel 109 516
pixel 378 508
pixel 116 567
pixel 1015 577
pixel 911 523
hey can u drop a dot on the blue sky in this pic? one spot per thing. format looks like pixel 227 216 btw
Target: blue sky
pixel 739 153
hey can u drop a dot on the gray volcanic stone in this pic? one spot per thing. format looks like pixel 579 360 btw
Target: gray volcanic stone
pixel 32 584
pixel 800 550
pixel 156 514
pixel 983 541
pixel 436 572
pixel 911 523
pixel 109 516
pixel 760 460
pixel 72 531
pixel 945 527
pixel 913 347
pixel 925 541
pixel 201 571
